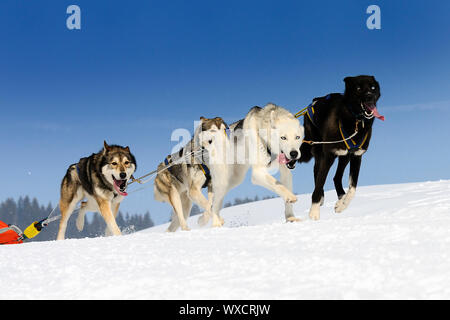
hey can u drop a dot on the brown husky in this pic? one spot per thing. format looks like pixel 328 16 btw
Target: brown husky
pixel 102 180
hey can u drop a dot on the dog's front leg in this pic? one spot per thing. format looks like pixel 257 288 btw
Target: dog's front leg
pixel 107 214
pixel 286 180
pixel 217 203
pixel 322 166
pixel 261 177
pixel 343 162
pixel 198 197
pixel 343 202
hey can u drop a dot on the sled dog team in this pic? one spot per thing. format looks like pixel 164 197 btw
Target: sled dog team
pixel 219 156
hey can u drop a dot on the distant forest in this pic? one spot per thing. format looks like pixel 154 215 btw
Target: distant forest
pixel 25 211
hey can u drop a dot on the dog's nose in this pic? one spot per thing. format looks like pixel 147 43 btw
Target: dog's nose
pixel 123 175
pixel 293 154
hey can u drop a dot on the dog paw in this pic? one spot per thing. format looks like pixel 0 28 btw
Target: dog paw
pixel 344 201
pixel 291 198
pixel 203 220
pixel 340 206
pixel 314 212
pixel 185 228
pixel 218 222
pixel 293 219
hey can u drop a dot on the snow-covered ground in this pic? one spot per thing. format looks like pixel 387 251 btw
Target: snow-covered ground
pixel 392 242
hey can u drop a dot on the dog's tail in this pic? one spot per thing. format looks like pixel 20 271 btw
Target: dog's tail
pixel 305 151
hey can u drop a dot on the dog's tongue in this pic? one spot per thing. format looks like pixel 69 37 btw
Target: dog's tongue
pixel 282 159
pixel 122 193
pixel 373 108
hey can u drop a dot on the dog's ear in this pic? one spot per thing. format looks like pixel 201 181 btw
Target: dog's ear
pixel 348 80
pixel 202 118
pixel 106 147
pixel 272 118
pixel 127 149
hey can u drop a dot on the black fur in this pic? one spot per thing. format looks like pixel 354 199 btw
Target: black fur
pixel 331 110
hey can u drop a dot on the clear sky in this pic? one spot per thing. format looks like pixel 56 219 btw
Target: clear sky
pixel 137 70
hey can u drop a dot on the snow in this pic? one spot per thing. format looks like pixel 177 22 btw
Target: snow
pixel 393 242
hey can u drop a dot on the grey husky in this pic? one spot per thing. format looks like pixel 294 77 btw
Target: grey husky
pixel 182 175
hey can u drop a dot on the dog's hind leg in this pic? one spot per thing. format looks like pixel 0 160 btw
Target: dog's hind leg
pixel 66 209
pixel 70 196
pixel 186 202
pixel 322 165
pixel 343 162
pixel 343 202
pixel 174 223
pixel 81 214
pixel 286 180
pixel 175 201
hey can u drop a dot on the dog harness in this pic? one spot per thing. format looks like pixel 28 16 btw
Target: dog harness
pixel 309 111
pixel 204 167
pixel 349 142
pixel 346 138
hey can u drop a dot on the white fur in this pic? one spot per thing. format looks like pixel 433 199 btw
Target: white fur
pixel 341 152
pixel 230 161
pixel 343 203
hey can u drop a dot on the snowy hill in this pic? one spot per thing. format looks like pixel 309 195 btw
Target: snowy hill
pixel 392 242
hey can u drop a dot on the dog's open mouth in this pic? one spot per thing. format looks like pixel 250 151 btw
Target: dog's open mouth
pixel 370 110
pixel 282 159
pixel 120 186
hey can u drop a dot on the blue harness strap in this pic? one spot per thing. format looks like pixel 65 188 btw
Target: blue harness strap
pixel 310 113
pixel 205 169
pixel 350 143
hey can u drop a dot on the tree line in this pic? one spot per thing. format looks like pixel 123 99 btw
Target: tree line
pixel 25 211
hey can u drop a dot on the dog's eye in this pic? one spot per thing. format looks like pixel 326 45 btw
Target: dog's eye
pixel 358 88
pixel 283 138
pixel 114 163
pixel 127 163
pixel 297 137
pixel 373 88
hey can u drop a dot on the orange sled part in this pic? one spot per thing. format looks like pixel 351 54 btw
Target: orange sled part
pixel 10 236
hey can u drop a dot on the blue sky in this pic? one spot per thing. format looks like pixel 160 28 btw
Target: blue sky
pixel 138 70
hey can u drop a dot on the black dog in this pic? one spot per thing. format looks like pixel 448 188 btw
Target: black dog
pixel 344 123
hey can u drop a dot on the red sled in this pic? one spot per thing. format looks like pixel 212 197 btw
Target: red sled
pixel 10 234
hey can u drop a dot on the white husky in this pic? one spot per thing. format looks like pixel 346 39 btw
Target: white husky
pixel 267 138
